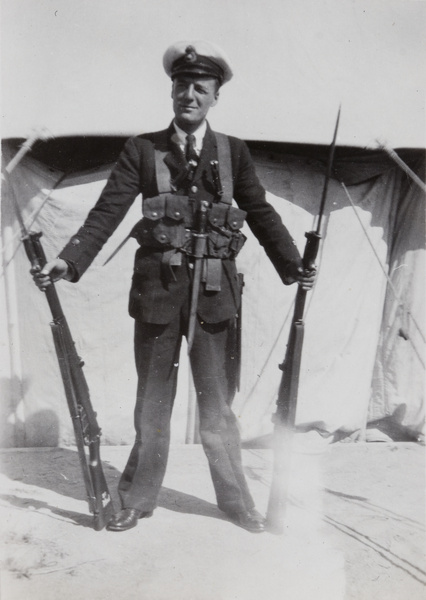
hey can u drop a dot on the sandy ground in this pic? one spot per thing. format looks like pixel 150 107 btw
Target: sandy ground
pixel 354 530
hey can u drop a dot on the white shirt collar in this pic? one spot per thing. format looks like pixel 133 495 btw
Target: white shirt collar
pixel 199 136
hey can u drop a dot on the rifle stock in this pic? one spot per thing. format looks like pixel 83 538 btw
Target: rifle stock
pixel 86 429
pixel 285 416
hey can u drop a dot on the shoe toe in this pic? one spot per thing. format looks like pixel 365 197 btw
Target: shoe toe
pixel 123 520
pixel 255 521
pixel 251 520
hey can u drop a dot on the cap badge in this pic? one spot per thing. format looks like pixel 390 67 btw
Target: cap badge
pixel 191 55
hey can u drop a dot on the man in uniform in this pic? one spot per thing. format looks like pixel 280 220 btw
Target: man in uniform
pixel 185 277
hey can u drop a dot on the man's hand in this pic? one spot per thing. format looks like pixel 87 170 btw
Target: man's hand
pixel 305 278
pixel 52 271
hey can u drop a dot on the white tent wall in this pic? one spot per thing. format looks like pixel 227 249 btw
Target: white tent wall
pixel 344 312
pixel 343 317
pixel 399 382
pixel 96 311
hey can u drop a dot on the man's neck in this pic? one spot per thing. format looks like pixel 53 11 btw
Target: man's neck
pixel 190 128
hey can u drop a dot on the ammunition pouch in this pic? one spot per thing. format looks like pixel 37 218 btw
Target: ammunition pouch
pixel 224 238
pixel 168 223
pixel 166 218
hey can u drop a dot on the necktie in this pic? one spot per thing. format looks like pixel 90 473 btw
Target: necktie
pixel 190 152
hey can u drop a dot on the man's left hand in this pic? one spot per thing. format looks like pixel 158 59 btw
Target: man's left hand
pixel 305 278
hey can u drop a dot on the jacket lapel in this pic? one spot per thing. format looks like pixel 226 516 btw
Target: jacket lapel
pixel 175 159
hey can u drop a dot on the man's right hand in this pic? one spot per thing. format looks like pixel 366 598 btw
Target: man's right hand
pixel 52 271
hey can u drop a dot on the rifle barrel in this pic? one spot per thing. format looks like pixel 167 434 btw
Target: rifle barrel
pixel 285 417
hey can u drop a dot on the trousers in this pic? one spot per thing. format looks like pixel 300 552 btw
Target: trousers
pixel 157 349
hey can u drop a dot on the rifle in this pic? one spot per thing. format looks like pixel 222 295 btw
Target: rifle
pixel 285 416
pixel 86 429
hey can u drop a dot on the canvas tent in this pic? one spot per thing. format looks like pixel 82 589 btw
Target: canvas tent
pixel 91 70
pixel 363 356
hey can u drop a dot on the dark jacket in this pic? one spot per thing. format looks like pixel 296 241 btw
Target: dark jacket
pixel 153 297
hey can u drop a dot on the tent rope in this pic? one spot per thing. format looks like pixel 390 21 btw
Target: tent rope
pixel 277 339
pixel 391 285
pixel 398 160
pixel 262 370
pixel 31 220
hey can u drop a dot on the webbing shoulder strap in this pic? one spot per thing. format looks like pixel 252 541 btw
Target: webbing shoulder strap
pixel 225 167
pixel 162 172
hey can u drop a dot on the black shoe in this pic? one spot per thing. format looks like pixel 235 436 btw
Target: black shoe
pixel 127 518
pixel 251 520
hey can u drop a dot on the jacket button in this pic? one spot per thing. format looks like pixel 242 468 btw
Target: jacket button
pixel 154 214
pixel 177 213
pixel 194 189
pixel 234 223
pixel 75 242
pixel 163 237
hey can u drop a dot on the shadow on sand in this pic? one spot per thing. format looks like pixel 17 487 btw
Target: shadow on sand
pixel 58 470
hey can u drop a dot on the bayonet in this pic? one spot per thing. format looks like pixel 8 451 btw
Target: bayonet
pixel 199 238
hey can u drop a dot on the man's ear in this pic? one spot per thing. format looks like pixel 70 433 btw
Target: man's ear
pixel 216 98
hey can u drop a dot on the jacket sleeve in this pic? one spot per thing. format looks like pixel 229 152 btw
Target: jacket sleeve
pixel 115 200
pixel 262 218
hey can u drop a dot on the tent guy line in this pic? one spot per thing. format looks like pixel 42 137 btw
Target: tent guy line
pixel 392 287
pixel 398 160
pixel 29 222
pixel 43 134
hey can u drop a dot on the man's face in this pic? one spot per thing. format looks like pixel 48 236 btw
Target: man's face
pixel 192 99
